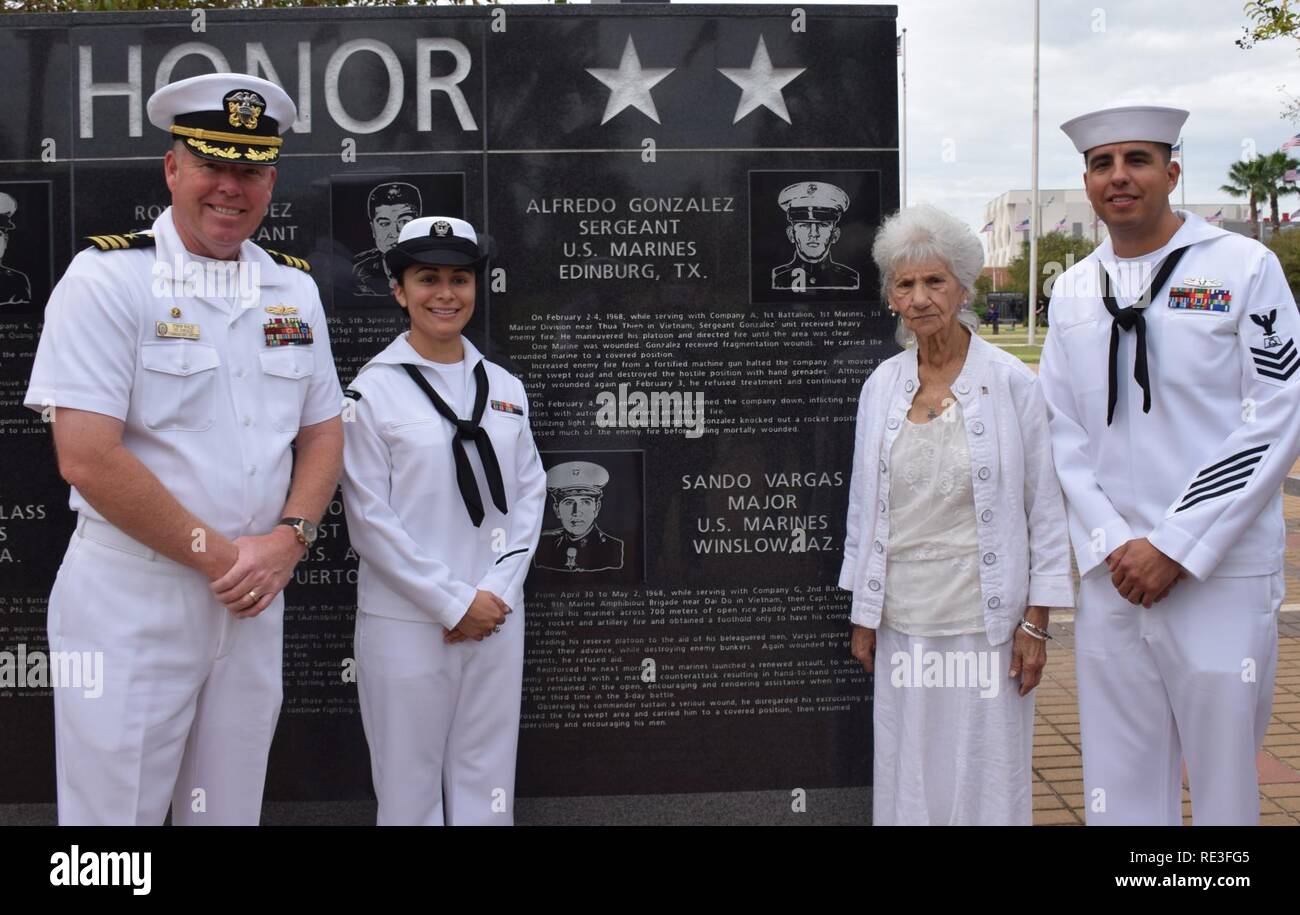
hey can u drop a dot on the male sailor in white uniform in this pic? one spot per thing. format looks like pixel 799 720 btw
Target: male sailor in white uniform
pixel 1173 389
pixel 182 363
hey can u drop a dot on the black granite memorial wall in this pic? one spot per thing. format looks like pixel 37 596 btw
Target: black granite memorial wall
pixel 641 170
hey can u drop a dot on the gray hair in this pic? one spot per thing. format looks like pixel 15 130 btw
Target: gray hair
pixel 922 233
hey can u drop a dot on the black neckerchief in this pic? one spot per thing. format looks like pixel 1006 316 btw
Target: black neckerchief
pixel 469 429
pixel 1128 319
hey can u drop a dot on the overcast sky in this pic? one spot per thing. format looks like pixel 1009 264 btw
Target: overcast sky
pixel 970 80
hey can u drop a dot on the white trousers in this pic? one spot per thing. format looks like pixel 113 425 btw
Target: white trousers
pixel 190 694
pixel 1190 679
pixel 442 721
pixel 953 736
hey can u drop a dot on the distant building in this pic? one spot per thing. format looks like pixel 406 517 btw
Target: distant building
pixel 1007 218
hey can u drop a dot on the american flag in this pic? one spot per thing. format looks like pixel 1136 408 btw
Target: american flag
pixel 898 45
pixel 1022 226
pixel 1177 148
pixel 1217 217
pixel 1291 143
pixel 987 228
pixel 1060 226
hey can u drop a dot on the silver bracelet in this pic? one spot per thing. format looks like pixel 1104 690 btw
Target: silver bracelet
pixel 1041 634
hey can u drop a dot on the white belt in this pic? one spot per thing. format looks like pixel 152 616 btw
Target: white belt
pixel 104 533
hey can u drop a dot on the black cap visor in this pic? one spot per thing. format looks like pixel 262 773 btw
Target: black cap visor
pixel 434 252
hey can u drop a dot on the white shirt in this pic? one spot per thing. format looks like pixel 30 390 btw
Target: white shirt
pixel 1023 545
pixel 211 417
pixel 1201 475
pixel 454 378
pixel 932 581
pixel 422 559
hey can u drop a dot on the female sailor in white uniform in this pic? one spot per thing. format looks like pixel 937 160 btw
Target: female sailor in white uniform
pixel 440 629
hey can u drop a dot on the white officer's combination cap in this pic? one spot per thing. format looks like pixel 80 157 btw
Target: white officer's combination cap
pixel 225 117
pixel 1125 124
pixel 577 477
pixel 813 201
pixel 437 241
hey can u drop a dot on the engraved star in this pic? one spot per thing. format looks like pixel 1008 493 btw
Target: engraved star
pixel 761 84
pixel 630 85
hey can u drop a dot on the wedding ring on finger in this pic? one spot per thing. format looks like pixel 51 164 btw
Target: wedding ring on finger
pixel 252 595
pixel 496 629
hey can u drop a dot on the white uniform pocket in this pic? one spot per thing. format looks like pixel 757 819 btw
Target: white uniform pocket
pixel 1088 345
pixel 286 372
pixel 179 385
pixel 1196 349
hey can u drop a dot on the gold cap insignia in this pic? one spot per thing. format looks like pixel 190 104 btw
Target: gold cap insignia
pixel 245 107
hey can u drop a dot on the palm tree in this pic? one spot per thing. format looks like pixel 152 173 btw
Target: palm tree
pixel 1248 179
pixel 1276 165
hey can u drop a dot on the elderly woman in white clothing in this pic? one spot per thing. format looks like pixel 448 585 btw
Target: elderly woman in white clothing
pixel 956 543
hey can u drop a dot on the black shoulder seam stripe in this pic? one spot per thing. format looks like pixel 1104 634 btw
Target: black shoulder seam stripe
pixel 351 394
pixel 508 555
pixel 1228 460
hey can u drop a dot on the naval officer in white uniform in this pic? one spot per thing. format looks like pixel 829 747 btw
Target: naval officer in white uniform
pixel 177 367
pixel 431 426
pixel 1173 390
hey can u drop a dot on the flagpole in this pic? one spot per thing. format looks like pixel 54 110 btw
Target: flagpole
pixel 1033 228
pixel 903 158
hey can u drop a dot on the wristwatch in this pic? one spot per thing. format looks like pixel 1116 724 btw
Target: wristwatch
pixel 305 531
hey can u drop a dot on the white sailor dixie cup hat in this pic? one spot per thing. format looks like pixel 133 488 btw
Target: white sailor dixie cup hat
pixel 437 240
pixel 225 117
pixel 1125 124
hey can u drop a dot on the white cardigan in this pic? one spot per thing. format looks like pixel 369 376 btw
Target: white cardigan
pixel 1020 515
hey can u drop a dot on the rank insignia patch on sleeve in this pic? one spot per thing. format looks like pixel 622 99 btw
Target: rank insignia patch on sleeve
pixel 1198 298
pixel 1275 359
